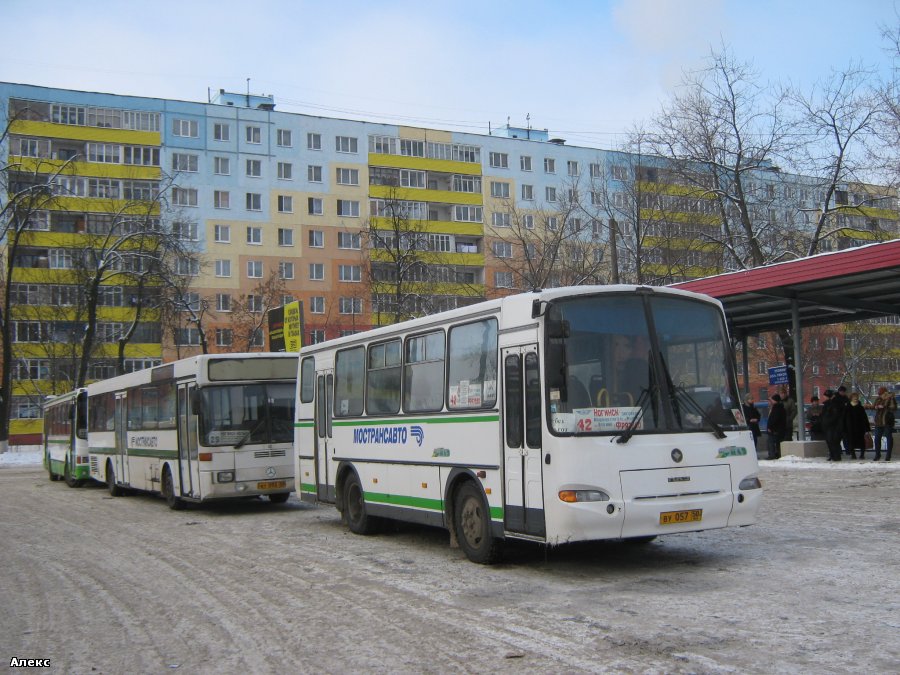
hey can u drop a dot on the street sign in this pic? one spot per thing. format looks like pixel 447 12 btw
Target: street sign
pixel 778 375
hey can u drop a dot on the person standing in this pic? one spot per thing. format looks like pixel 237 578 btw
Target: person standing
pixel 831 421
pixel 790 410
pixel 885 415
pixel 812 415
pixel 776 426
pixel 844 403
pixel 856 426
pixel 752 415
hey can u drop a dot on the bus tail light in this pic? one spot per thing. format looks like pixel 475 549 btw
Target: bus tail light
pixel 750 483
pixel 573 496
pixel 205 456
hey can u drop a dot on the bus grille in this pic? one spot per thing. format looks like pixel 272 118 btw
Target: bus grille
pixel 260 454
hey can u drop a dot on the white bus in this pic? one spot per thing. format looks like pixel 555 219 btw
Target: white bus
pixel 207 427
pixel 555 416
pixel 65 437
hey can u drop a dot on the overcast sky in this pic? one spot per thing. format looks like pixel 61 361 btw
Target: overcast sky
pixel 587 70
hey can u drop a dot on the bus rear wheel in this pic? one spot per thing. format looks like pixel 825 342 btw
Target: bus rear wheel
pixel 111 485
pixel 168 488
pixel 355 515
pixel 472 520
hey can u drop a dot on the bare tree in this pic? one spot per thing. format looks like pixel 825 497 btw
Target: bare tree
pixel 249 313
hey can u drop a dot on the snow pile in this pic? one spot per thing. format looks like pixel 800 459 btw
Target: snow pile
pixel 13 458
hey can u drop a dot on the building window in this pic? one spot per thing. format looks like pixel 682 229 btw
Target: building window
pixel 184 196
pixel 221 132
pixel 499 160
pixel 551 194
pixel 285 171
pixel 221 199
pixel 222 234
pixel 348 208
pixel 528 221
pixel 253 135
pixel 185 128
pixel 349 240
pixel 596 170
pixel 528 192
pixel 223 302
pixel 314 173
pixel 501 220
pixel 285 204
pixel 315 206
pixel 316 238
pixel 182 161
pixel 761 368
pixel 185 231
pixel 619 173
pixel 350 305
pixel 286 270
pixel 347 176
pixel 254 269
pixel 187 267
pixel 525 163
pixel 499 189
pixel 345 144
pixel 285 237
pixel 313 141
pixel 254 235
pixel 349 273
pixel 187 336
pixel 572 168
pixel 317 304
pixel 549 165
pixel 412 179
pixel 223 268
pixel 502 249
pixel 284 138
pixel 503 280
pixel 254 168
pixel 316 271
pixel 552 223
pixel 224 337
pixel 222 166
pixel 316 336
pixel 831 343
pixel 254 201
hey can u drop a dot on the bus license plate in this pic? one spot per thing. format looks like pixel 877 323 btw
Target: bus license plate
pixel 271 485
pixel 676 517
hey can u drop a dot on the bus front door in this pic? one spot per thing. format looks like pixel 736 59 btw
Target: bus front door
pixel 523 469
pixel 120 465
pixel 187 441
pixel 324 413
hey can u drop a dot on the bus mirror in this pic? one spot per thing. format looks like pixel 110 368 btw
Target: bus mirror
pixel 195 402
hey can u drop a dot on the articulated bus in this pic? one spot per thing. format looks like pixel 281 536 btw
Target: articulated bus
pixel 202 428
pixel 65 437
pixel 554 416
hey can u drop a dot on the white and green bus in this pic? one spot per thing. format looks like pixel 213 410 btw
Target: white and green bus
pixel 555 416
pixel 202 428
pixel 65 437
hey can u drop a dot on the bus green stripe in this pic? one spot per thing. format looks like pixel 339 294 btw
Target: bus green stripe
pixel 420 503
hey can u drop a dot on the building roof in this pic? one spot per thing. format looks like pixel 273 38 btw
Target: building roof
pixel 850 285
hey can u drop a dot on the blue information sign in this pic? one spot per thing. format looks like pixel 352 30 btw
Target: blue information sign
pixel 778 375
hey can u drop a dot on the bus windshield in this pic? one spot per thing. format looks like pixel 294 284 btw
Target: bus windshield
pixel 247 414
pixel 631 363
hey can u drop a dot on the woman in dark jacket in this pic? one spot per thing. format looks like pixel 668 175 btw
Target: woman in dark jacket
pixel 776 426
pixel 856 426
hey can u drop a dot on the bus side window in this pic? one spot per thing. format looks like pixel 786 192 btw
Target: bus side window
pixel 307 379
pixel 349 381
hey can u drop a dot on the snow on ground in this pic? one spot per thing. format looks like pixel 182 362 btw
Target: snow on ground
pixel 13 458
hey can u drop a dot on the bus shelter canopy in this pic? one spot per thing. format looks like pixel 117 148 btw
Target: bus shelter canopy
pixel 849 285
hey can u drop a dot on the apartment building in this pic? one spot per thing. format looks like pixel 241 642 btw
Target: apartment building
pixel 364 222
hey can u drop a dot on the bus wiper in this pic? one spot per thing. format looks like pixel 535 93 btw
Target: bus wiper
pixel 250 433
pixel 626 435
pixel 717 430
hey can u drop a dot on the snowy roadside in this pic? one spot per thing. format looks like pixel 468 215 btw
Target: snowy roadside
pixel 32 457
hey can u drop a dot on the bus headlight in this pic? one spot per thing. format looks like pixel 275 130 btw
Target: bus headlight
pixel 573 496
pixel 225 477
pixel 750 483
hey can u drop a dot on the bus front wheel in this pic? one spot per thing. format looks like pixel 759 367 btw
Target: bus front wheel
pixel 71 481
pixel 279 497
pixel 472 519
pixel 168 487
pixel 355 515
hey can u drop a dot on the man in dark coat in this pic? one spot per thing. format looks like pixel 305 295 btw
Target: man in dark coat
pixel 776 427
pixel 832 423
